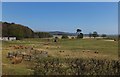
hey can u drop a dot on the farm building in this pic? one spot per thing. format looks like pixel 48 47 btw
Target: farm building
pixel 8 38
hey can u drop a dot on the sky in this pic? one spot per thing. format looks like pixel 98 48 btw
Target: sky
pixel 64 16
pixel 59 0
pixel 0 11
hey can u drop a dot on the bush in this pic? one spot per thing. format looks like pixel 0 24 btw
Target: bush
pixel 56 37
pixel 72 37
pixel 69 66
pixel 80 35
pixel 64 36
pixel 43 34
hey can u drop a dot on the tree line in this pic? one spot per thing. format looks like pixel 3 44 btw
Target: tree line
pixel 81 35
pixel 94 34
pixel 20 31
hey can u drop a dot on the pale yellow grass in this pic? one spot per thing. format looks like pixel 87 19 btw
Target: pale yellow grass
pixel 74 54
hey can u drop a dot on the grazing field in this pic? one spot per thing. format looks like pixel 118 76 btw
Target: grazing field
pixel 64 57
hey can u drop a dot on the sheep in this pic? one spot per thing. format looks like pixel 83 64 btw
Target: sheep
pixel 48 40
pixel 25 47
pixel 31 48
pixel 66 55
pixel 10 46
pixel 9 55
pixel 23 53
pixel 27 57
pixel 16 60
pixel 61 51
pixel 58 47
pixel 15 47
pixel 46 47
pixel 96 52
pixel 46 44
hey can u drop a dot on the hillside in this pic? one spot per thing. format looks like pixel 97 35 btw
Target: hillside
pixel 20 31
pixel 16 30
pixel 66 33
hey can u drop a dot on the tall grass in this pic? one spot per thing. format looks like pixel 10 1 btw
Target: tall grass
pixel 69 66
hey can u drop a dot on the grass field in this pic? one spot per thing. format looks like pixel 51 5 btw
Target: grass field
pixel 64 48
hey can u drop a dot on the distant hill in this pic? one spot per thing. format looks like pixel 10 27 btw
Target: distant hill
pixel 20 31
pixel 16 30
pixel 62 33
pixel 57 33
pixel 66 33
pixel 74 34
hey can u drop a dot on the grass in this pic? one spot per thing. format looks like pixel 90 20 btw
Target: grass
pixel 100 45
pixel 73 48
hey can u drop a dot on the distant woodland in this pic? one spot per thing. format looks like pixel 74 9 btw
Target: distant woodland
pixel 20 31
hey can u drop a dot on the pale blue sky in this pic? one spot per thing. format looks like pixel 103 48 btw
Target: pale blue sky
pixel 53 16
pixel 60 0
pixel 0 11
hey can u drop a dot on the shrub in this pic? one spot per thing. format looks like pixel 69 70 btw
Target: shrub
pixel 64 36
pixel 80 35
pixel 56 37
pixel 70 66
pixel 72 37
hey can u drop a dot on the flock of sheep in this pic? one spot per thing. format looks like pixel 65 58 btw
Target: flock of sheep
pixel 28 54
pixel 62 66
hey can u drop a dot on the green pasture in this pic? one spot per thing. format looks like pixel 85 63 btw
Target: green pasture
pixel 73 48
